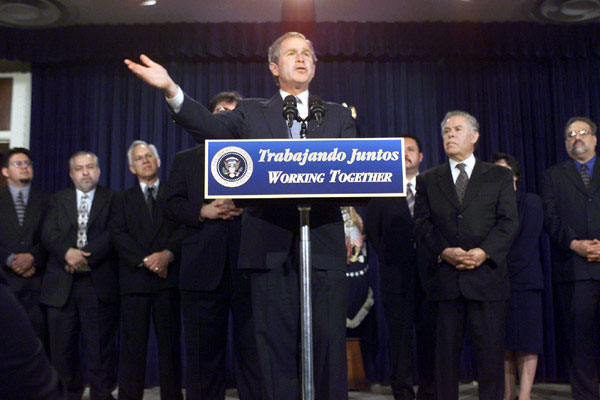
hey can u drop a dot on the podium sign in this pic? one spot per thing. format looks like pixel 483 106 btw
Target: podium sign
pixel 304 168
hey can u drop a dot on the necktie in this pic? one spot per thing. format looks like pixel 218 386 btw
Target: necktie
pixel 150 201
pixel 20 207
pixel 410 198
pixel 82 221
pixel 461 182
pixel 295 130
pixel 587 180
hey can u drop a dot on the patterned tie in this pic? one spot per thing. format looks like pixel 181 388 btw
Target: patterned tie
pixel 20 207
pixel 461 182
pixel 587 180
pixel 82 221
pixel 150 200
pixel 295 130
pixel 410 198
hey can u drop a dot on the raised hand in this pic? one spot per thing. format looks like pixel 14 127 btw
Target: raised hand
pixel 153 74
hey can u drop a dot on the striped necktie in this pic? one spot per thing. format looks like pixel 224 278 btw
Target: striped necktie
pixel 585 176
pixel 410 198
pixel 20 207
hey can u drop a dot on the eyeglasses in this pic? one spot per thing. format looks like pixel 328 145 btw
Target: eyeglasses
pixel 21 163
pixel 573 134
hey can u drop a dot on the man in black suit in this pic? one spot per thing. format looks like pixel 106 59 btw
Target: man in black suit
pixel 149 250
pixel 80 286
pixel 22 212
pixel 390 227
pixel 269 237
pixel 466 219
pixel 571 195
pixel 210 283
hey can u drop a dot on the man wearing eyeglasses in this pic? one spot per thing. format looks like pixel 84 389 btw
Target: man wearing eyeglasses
pixel 22 211
pixel 571 193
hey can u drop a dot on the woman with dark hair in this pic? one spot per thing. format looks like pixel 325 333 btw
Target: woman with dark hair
pixel 524 328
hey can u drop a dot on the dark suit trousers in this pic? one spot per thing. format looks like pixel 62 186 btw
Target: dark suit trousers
pixel 276 312
pixel 205 324
pixel 485 321
pixel 405 313
pixel 580 322
pixel 97 321
pixel 136 311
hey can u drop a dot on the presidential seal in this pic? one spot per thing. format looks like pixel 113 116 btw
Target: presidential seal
pixel 231 166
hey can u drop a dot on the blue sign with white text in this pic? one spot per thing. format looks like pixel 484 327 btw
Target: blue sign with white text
pixel 304 168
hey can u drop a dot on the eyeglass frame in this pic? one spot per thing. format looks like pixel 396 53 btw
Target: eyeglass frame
pixel 573 134
pixel 21 163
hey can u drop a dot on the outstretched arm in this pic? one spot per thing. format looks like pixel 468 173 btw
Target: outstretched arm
pixel 153 74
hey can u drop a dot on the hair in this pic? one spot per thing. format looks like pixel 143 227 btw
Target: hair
pixel 228 97
pixel 416 139
pixel 83 153
pixel 12 152
pixel 275 48
pixel 510 160
pixel 137 143
pixel 472 120
pixel 582 119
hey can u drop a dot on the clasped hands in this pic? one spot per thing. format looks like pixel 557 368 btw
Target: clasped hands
pixel 587 248
pixel 22 264
pixel 220 209
pixel 158 262
pixel 75 258
pixel 462 259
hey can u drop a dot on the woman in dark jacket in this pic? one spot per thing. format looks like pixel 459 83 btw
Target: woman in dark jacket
pixel 524 327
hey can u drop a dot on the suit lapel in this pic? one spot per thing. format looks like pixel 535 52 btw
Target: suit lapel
pixel 314 131
pixel 273 109
pixel 9 211
pixel 142 214
pixel 595 177
pixel 475 182
pixel 70 204
pixel 32 204
pixel 100 200
pixel 574 175
pixel 157 220
pixel 446 184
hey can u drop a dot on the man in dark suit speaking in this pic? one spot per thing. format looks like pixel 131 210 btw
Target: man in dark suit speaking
pixel 571 194
pixel 269 237
pixel 466 218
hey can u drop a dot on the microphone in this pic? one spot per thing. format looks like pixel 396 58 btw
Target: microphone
pixel 317 108
pixel 290 110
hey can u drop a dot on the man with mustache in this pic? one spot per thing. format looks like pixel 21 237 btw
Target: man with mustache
pixel 465 222
pixel 571 194
pixel 81 286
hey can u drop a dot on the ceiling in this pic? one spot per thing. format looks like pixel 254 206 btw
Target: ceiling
pixel 42 13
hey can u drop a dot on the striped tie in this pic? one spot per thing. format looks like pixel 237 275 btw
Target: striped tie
pixel 20 207
pixel 585 176
pixel 410 198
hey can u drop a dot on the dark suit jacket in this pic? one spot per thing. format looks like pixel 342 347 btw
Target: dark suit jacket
pixel 15 238
pixel 25 372
pixel 268 232
pixel 571 212
pixel 135 235
pixel 390 229
pixel 205 243
pixel 524 266
pixel 487 218
pixel 60 233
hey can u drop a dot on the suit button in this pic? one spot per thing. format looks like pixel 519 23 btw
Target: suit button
pixel 460 216
pixel 457 236
pixel 22 242
pixel 590 200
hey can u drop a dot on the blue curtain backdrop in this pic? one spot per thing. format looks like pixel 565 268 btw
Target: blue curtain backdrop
pixel 522 81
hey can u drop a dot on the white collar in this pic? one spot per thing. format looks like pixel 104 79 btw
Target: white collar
pixel 469 164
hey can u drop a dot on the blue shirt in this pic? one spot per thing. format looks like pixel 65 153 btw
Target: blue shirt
pixel 589 165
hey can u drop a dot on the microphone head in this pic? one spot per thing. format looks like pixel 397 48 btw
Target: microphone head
pixel 317 108
pixel 290 109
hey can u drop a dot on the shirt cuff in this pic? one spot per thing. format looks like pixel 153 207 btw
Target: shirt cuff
pixel 10 259
pixel 177 101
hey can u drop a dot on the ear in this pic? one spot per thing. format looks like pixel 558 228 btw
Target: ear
pixel 5 172
pixel 158 162
pixel 474 137
pixel 420 157
pixel 274 69
pixel 131 169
